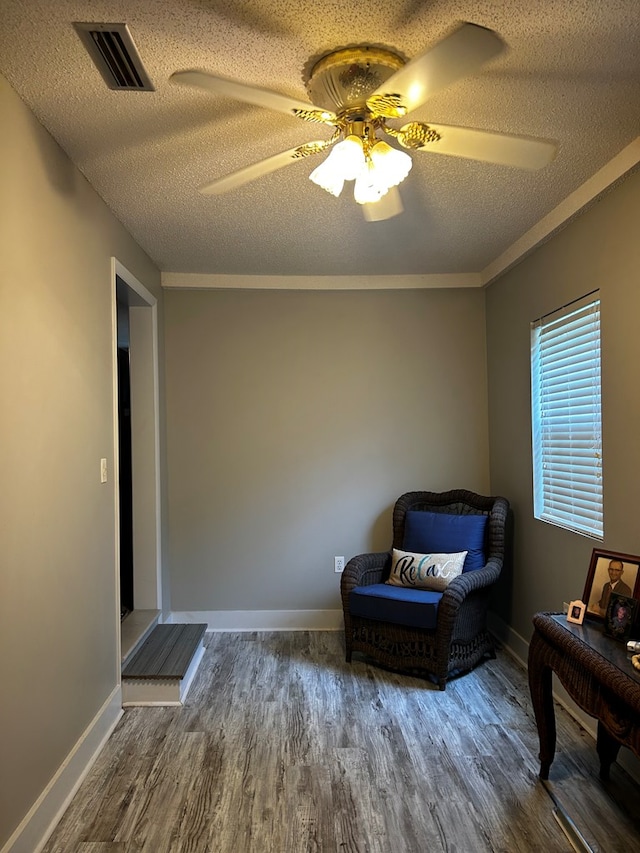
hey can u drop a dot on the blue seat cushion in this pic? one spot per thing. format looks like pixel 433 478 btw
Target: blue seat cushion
pixel 445 533
pixel 417 608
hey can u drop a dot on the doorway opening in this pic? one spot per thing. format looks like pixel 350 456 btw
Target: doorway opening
pixel 125 480
pixel 137 467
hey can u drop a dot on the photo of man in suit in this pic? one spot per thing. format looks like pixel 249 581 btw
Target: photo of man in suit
pixel 614 584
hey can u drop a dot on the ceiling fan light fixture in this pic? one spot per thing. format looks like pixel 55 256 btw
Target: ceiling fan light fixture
pixel 355 90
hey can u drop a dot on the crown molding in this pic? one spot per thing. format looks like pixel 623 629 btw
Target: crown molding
pixel 205 281
pixel 573 205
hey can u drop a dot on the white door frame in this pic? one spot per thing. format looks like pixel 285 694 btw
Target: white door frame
pixel 145 439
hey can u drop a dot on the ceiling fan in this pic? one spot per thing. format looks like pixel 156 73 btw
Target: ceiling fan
pixel 357 91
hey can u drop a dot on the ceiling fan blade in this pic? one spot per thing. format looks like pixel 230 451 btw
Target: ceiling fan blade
pixel 388 206
pixel 252 95
pixel 524 152
pixel 264 167
pixel 458 54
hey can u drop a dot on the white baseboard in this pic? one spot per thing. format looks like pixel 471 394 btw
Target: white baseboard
pixel 262 620
pixel 518 648
pixel 34 830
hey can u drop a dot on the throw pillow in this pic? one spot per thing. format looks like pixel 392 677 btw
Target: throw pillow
pixel 446 533
pixel 425 571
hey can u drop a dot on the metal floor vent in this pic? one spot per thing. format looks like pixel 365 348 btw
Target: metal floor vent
pixel 116 57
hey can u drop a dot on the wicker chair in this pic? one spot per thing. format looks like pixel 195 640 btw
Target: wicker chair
pixel 460 639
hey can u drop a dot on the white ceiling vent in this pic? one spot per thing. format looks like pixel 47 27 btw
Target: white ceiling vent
pixel 111 48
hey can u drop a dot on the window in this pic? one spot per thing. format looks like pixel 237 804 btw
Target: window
pixel 566 417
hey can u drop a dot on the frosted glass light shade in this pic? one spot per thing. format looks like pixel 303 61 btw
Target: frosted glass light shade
pixel 343 164
pixel 327 178
pixel 385 168
pixel 349 154
pixel 367 188
pixel 391 166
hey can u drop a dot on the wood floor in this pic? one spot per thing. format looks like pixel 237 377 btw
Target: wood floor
pixel 282 747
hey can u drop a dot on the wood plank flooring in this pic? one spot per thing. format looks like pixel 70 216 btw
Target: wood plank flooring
pixel 282 747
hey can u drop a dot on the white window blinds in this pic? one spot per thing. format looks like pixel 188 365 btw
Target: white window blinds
pixel 566 415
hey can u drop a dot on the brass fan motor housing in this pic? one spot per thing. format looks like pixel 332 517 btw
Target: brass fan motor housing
pixel 344 79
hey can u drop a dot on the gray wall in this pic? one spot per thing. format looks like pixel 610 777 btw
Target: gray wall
pixel 294 421
pixel 58 609
pixel 598 250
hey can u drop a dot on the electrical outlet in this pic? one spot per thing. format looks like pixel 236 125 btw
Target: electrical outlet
pixel 338 563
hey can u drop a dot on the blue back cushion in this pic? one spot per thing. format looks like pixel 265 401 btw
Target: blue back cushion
pixel 442 533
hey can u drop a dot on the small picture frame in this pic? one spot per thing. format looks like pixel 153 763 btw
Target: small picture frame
pixel 576 612
pixel 620 618
pixel 610 572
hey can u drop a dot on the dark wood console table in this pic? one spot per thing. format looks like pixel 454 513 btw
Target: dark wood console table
pixel 596 672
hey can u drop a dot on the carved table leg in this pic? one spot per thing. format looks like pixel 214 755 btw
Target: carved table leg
pixel 608 748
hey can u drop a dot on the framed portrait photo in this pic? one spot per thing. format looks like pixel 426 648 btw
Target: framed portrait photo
pixel 620 617
pixel 610 572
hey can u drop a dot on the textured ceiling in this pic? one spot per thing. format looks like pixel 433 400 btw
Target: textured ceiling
pixel 571 73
